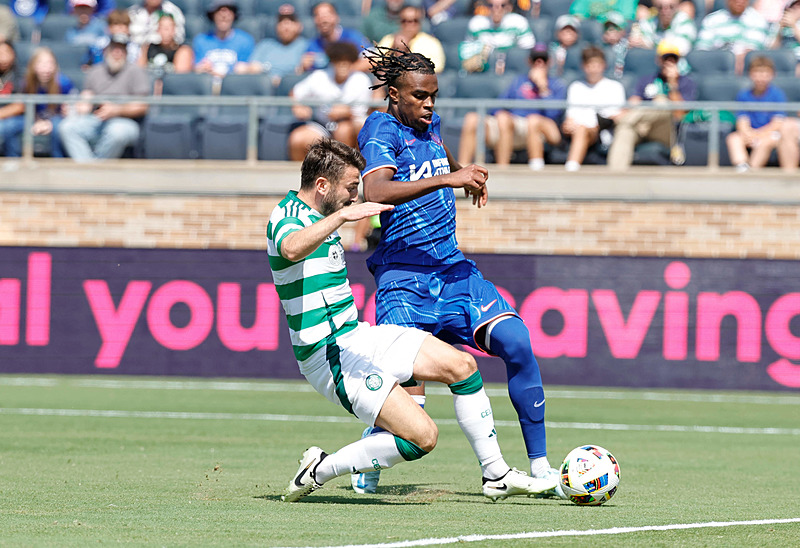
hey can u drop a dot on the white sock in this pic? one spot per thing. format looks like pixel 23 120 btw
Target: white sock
pixel 539 466
pixel 536 164
pixel 377 451
pixel 572 165
pixel 474 416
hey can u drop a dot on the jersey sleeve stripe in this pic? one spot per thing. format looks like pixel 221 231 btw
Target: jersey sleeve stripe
pixel 376 168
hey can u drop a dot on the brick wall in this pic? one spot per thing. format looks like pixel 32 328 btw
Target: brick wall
pixel 535 227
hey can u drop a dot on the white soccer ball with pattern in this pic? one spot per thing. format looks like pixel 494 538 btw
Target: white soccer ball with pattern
pixel 589 475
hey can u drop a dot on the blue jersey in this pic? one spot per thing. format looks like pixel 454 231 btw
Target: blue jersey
pixel 421 232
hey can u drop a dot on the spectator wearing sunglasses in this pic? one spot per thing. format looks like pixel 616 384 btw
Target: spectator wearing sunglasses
pixel 411 38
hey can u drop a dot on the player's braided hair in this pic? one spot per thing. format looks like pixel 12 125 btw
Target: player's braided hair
pixel 389 64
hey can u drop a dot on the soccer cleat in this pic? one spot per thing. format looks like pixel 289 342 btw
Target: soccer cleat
pixel 515 482
pixel 304 482
pixel 557 492
pixel 365 482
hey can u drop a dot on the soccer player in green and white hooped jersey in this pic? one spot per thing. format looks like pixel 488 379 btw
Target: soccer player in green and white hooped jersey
pixel 359 366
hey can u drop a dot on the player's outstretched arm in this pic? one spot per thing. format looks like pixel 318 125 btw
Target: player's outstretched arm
pixel 379 186
pixel 302 243
pixel 480 197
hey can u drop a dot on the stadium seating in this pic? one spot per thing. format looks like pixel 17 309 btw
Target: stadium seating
pixel 711 62
pixel 554 8
pixel 171 131
pixel 69 56
pixel 640 62
pixel 55 26
pixel 270 7
pixel 190 7
pixel 223 135
pixel 27 29
pixel 542 28
pixel 790 86
pixel 452 31
pixel 784 59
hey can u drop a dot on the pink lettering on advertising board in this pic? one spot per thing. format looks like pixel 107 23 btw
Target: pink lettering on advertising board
pixel 201 315
pixel 625 338
pixel 676 311
pixel 263 334
pixel 115 324
pixel 37 325
pixel 573 304
pixel 712 308
pixel 780 338
pixel 9 311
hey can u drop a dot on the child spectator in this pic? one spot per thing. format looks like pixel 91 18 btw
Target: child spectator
pixel 8 79
pixel 583 124
pixel 761 132
pixel 615 42
pixel 41 77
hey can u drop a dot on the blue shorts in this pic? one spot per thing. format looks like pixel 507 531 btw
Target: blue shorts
pixel 451 302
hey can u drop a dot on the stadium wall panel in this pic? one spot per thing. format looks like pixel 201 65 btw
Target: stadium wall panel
pixel 659 322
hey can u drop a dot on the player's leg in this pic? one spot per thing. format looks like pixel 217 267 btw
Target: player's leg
pixel 438 361
pixel 416 436
pixel 508 338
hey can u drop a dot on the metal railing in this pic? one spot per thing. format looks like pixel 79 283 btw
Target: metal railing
pixel 254 104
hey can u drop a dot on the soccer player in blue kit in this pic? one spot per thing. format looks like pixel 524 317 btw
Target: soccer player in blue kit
pixel 423 279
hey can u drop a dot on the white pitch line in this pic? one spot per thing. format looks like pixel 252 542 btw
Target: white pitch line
pixel 267 417
pixel 434 389
pixel 569 533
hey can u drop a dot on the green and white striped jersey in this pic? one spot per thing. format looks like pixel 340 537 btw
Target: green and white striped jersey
pixel 314 291
pixel 721 30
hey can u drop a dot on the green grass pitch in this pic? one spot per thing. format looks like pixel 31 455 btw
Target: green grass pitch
pixel 177 462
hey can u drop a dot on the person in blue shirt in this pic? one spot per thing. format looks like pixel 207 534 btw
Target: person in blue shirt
pixel 219 51
pixel 423 278
pixel 329 30
pixel 761 132
pixel 281 56
pixel 513 129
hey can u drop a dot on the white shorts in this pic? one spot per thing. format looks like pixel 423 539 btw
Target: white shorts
pixel 369 362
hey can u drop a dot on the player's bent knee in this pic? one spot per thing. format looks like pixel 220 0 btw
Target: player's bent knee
pixel 423 442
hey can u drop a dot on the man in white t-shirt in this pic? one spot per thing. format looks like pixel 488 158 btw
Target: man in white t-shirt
pixel 594 104
pixel 344 94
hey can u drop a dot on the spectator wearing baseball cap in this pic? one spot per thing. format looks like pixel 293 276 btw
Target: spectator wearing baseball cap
pixel 615 41
pixel 218 51
pixel 529 128
pixel 567 34
pixel 89 30
pixel 281 56
pixel 649 125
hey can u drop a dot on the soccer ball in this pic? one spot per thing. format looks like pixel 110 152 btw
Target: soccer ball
pixel 589 475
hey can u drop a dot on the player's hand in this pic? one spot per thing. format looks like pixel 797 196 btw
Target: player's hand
pixel 471 178
pixel 356 212
pixel 478 198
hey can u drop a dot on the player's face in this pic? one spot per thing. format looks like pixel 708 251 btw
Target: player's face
pixel 415 96
pixel 342 193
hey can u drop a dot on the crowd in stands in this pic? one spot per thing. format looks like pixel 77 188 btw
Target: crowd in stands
pixel 601 52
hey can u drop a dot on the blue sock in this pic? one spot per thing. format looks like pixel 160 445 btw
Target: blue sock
pixel 511 341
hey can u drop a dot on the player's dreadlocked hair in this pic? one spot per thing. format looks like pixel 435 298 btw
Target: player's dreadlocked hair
pixel 388 64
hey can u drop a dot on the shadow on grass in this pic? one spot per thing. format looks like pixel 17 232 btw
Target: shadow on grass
pixel 372 500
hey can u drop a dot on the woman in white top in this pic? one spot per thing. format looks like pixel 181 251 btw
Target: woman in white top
pixel 583 123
